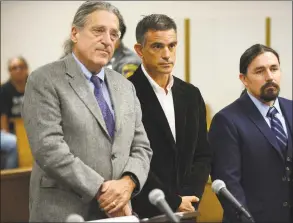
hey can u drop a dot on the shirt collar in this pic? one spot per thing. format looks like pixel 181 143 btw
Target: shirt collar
pixel 155 86
pixel 263 108
pixel 87 73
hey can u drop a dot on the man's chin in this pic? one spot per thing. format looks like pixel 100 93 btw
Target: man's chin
pixel 101 62
pixel 166 71
pixel 269 97
pixel 269 94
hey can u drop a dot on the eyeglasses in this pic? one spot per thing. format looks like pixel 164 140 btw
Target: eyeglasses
pixel 15 68
pixel 100 31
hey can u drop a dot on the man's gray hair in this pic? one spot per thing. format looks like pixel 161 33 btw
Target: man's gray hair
pixel 82 13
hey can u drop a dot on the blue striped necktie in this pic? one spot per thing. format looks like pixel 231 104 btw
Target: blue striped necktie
pixel 278 129
pixel 106 112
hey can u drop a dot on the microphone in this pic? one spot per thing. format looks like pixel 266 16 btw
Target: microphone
pixel 74 218
pixel 219 187
pixel 157 198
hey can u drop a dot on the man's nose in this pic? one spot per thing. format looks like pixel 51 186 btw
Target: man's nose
pixel 166 54
pixel 106 38
pixel 269 75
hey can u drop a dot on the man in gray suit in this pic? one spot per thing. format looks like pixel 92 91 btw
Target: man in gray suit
pixel 84 126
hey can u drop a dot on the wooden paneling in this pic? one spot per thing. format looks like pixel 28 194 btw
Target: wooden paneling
pixel 210 209
pixel 15 195
pixel 187 49
pixel 268 31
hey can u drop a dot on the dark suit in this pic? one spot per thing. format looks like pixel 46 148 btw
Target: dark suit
pixel 181 167
pixel 248 159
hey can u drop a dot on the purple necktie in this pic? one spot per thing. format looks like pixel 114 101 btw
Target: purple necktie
pixel 106 112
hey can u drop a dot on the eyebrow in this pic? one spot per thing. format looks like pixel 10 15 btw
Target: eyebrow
pixel 175 42
pixel 259 68
pixel 104 27
pixel 97 26
pixel 162 44
pixel 263 67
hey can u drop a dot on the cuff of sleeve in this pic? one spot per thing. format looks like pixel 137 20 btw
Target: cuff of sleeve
pixel 93 191
pixel 136 182
pixel 174 202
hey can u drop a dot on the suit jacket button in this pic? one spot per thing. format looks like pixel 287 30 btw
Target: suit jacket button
pixel 284 178
pixel 113 156
pixel 285 204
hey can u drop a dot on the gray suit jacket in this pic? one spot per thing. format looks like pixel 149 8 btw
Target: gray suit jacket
pixel 68 137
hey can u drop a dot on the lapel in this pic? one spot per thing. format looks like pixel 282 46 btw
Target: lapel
pixel 151 105
pixel 115 94
pixel 286 107
pixel 79 84
pixel 287 113
pixel 180 111
pixel 260 123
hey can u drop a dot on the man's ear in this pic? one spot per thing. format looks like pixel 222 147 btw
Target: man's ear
pixel 138 49
pixel 243 79
pixel 74 34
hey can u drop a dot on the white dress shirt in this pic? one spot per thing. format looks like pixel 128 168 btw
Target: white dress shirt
pixel 165 99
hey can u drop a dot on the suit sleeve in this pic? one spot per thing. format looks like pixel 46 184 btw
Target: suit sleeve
pixel 140 153
pixel 43 123
pixel 173 199
pixel 201 162
pixel 224 141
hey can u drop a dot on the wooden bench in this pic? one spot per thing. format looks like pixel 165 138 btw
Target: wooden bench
pixel 15 195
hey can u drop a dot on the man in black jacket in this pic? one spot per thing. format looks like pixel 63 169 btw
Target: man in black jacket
pixel 174 117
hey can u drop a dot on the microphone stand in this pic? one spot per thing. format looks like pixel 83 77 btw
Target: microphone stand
pixel 243 218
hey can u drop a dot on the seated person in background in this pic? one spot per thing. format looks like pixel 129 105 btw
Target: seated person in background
pixel 8 150
pixel 11 97
pixel 124 60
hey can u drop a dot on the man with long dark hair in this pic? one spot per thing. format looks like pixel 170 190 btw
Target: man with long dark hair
pixel 252 142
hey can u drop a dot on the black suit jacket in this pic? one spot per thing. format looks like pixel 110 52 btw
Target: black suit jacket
pixel 181 167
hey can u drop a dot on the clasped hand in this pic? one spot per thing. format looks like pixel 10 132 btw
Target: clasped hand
pixel 114 197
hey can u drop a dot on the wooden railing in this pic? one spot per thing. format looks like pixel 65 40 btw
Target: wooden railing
pixel 15 195
pixel 210 209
